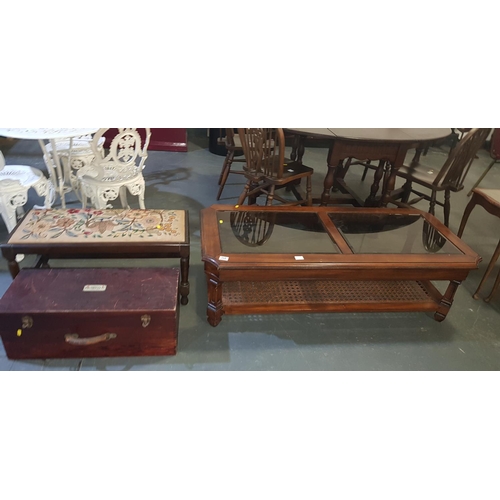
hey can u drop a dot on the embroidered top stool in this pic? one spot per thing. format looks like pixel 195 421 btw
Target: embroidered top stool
pixel 111 233
pixel 489 199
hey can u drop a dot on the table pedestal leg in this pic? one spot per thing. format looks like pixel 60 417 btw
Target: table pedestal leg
pixel 379 173
pixel 328 183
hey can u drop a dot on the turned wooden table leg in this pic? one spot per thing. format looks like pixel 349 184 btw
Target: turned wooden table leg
pixel 214 292
pixel 13 268
pixel 10 257
pixel 446 301
pixel 184 286
pixel 389 186
pixel 295 147
pixel 301 148
pixel 370 201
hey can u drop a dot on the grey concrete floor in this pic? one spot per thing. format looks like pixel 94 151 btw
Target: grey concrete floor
pixel 469 338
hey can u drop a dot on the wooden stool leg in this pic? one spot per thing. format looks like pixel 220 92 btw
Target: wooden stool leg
pixel 184 286
pixel 13 267
pixel 491 265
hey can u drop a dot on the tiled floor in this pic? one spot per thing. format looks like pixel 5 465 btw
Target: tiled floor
pixel 469 338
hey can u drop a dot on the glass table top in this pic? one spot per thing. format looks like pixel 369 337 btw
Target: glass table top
pixel 273 232
pixel 294 232
pixel 391 234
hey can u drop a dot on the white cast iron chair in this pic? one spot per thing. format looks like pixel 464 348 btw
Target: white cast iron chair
pixel 74 154
pixel 15 181
pixel 104 179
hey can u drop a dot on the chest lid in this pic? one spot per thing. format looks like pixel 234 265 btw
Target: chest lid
pixel 92 290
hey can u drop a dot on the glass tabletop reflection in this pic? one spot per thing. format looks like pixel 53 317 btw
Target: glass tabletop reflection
pixel 391 234
pixel 273 232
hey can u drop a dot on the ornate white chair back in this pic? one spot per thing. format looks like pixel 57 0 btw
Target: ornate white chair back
pixel 127 149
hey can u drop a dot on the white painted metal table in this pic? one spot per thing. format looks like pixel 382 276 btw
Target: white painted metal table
pixel 57 173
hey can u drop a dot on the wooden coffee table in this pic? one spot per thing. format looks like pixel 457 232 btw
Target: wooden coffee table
pixel 114 234
pixel 307 259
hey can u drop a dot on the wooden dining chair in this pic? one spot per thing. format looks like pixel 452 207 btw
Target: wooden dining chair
pixel 233 146
pixel 267 170
pixel 495 156
pixel 449 178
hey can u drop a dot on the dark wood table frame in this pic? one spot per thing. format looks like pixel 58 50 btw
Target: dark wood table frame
pixel 104 250
pixel 356 272
pixel 387 146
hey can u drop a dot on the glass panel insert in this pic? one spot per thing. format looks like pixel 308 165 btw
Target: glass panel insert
pixel 273 232
pixel 391 234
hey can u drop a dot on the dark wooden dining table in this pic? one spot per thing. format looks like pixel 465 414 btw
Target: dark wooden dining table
pixel 388 146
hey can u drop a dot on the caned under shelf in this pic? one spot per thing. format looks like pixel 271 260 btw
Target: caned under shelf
pixel 242 297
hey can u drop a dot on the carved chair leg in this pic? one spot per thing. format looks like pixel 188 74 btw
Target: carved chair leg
pixel 447 207
pixel 224 166
pixel 141 199
pixel 123 197
pixel 365 171
pixel 432 204
pixel 309 191
pixel 244 194
pixel 8 215
pixel 406 191
pixel 468 209
pixel 482 177
pixel 225 172
pixel 270 195
pixel 494 289
pixel 491 265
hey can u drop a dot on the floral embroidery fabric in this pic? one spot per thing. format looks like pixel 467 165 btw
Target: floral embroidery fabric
pixel 90 226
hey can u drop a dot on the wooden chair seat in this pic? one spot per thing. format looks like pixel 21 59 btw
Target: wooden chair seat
pixel 293 170
pixel 425 176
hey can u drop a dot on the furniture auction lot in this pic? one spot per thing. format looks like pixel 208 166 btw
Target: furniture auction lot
pixel 287 259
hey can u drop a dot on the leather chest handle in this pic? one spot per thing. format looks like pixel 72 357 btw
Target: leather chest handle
pixel 72 338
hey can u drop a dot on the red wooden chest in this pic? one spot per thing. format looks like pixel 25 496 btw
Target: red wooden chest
pixel 85 313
